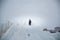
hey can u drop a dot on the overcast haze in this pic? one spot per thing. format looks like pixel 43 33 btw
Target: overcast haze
pixel 42 8
pixel 46 10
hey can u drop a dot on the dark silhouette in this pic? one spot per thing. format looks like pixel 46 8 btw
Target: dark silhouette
pixel 30 22
pixel 28 35
pixel 56 29
pixel 45 29
pixel 52 31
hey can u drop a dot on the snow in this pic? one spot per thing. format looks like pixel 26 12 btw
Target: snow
pixel 17 32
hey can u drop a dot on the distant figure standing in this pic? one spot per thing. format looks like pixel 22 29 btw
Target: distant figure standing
pixel 30 22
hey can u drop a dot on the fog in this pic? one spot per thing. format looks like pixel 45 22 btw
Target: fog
pixel 43 14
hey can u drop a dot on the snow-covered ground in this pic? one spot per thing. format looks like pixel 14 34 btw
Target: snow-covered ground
pixel 17 32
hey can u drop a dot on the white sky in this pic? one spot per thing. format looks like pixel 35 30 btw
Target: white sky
pixel 45 9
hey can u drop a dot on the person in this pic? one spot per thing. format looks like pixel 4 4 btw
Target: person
pixel 30 22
